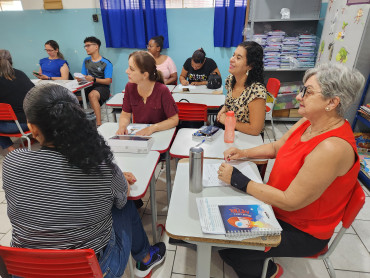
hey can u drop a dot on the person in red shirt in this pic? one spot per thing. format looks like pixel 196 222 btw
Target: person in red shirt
pixel 146 97
pixel 314 174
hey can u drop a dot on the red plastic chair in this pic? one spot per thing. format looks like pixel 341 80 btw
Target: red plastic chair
pixel 272 87
pixel 7 114
pixel 356 202
pixel 43 263
pixel 192 112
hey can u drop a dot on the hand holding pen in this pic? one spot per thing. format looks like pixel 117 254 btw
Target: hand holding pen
pixel 233 154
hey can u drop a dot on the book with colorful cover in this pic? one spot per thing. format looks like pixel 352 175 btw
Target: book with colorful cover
pixel 251 219
pixel 237 211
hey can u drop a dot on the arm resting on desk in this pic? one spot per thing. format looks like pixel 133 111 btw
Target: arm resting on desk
pixel 124 121
pixel 172 79
pixel 164 125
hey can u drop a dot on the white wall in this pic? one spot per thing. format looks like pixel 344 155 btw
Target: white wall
pixel 67 4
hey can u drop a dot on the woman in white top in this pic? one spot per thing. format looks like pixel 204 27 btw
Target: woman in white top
pixel 164 63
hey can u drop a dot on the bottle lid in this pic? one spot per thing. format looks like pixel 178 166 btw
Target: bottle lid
pixel 230 113
pixel 196 152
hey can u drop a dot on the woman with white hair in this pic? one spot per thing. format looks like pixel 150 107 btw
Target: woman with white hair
pixel 315 171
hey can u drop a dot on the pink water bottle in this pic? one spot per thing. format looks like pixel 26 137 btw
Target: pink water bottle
pixel 230 123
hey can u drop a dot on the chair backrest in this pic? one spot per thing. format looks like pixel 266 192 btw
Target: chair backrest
pixel 354 206
pixel 7 112
pixel 32 263
pixel 273 86
pixel 192 111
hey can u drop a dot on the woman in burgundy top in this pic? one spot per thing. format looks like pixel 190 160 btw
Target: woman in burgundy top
pixel 314 173
pixel 146 97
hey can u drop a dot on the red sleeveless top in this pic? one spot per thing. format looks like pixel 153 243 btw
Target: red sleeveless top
pixel 319 218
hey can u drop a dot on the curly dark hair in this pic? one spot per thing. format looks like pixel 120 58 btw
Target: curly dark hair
pixel 255 60
pixel 63 123
pixel 93 40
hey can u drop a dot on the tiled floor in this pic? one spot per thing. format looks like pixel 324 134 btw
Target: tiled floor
pixel 351 258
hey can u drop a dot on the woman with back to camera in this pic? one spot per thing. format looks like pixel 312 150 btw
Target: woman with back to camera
pixel 14 85
pixel 246 92
pixel 164 63
pixel 314 174
pixel 70 194
pixel 197 69
pixel 54 67
pixel 146 97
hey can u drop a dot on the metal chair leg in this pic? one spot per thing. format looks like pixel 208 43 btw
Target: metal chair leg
pixel 330 268
pixel 273 129
pixel 265 265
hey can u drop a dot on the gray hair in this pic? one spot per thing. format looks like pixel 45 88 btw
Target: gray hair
pixel 337 80
pixel 6 65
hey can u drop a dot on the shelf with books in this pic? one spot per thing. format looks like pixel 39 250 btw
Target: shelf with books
pixel 363 138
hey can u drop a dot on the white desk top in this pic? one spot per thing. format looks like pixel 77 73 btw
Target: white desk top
pixel 183 218
pixel 202 89
pixel 142 166
pixel 215 149
pixel 71 85
pixel 209 100
pixel 116 100
pixel 162 139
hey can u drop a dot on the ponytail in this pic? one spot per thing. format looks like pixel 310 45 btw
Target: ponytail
pixel 63 124
pixel 158 76
pixel 6 65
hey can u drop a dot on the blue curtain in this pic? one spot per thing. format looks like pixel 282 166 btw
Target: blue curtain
pixel 229 22
pixel 131 23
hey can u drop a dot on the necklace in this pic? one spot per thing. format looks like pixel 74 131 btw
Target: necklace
pixel 323 130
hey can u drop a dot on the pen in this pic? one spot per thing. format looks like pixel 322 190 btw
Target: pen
pixel 197 145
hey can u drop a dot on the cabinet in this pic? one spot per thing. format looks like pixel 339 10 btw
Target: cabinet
pixel 304 18
pixel 362 124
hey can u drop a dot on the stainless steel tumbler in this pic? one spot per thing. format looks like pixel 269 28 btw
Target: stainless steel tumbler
pixel 196 169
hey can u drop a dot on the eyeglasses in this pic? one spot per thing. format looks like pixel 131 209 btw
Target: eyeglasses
pixel 49 50
pixel 88 45
pixel 304 91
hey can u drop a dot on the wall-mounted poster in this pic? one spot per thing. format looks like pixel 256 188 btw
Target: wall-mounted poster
pixel 357 2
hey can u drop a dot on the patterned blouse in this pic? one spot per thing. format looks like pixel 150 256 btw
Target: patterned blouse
pixel 240 105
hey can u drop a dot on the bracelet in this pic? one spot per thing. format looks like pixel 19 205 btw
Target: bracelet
pixel 94 79
pixel 239 181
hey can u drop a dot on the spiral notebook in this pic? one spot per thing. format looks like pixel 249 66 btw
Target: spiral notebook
pixel 237 216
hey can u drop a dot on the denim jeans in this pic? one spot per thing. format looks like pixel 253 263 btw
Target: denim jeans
pixel 128 236
pixel 9 127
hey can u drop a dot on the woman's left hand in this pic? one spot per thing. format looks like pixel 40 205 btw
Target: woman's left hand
pixel 146 131
pixel 196 83
pixel 131 179
pixel 224 172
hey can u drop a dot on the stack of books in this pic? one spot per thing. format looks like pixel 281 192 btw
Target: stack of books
pixel 306 51
pixel 285 52
pixel 365 111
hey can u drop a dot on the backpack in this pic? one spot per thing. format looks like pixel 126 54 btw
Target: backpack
pixel 214 81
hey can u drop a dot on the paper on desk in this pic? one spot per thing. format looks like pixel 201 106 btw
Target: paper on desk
pixel 79 75
pixel 210 175
pixel 188 86
pixel 133 128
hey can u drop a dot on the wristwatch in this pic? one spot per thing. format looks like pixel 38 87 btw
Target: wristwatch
pixel 94 79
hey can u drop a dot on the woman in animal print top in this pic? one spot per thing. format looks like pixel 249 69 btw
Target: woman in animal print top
pixel 246 92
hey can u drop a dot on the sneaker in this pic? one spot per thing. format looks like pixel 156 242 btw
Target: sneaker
pixel 157 255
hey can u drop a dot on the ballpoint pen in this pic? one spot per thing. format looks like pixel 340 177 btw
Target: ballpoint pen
pixel 197 145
